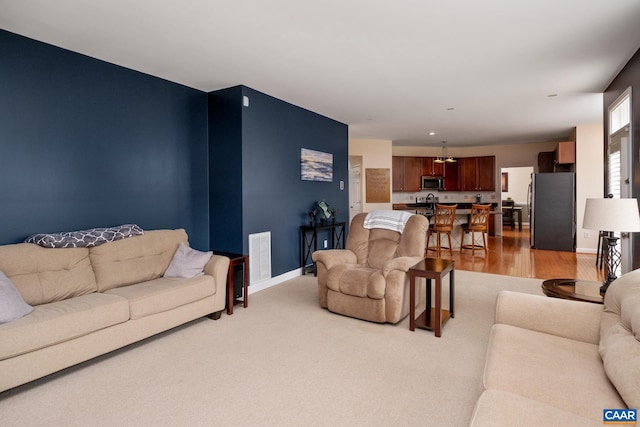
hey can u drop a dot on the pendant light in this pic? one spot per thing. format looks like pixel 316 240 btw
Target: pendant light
pixel 444 158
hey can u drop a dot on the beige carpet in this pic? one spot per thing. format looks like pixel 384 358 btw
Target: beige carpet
pixel 283 361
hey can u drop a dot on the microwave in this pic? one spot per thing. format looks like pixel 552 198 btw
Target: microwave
pixel 432 183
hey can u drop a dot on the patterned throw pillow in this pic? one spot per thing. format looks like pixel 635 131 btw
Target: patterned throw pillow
pixel 85 238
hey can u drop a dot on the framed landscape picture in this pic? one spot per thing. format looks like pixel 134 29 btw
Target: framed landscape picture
pixel 316 165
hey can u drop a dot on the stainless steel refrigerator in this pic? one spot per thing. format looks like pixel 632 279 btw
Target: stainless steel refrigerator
pixel 552 198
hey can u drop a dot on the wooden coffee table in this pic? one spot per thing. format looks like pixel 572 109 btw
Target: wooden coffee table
pixel 433 318
pixel 573 289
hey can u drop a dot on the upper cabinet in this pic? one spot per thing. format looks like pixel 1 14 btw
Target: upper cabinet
pixel 467 174
pixel 431 168
pixel 451 176
pixel 477 173
pixel 566 153
pixel 406 173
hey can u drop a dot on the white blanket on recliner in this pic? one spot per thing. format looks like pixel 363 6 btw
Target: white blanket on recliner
pixel 389 220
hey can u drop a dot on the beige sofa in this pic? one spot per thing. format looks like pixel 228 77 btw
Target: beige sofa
pixel 89 301
pixel 559 362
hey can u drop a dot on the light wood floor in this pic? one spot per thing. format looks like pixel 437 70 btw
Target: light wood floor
pixel 511 254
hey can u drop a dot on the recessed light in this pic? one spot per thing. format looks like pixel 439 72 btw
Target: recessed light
pixel 450 109
pixel 552 95
pixel 432 133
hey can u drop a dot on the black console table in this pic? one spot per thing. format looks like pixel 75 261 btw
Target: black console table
pixel 309 238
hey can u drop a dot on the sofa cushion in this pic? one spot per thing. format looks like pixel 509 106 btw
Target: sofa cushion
pixel 357 281
pixel 382 247
pixel 138 259
pixel 61 321
pixel 44 275
pixel 164 293
pixel 499 408
pixel 620 336
pixel 574 379
pixel 12 306
pixel 187 262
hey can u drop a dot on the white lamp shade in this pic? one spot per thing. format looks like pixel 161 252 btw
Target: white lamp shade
pixel 619 215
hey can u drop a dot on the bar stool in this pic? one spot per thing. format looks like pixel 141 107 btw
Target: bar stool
pixel 442 224
pixel 478 221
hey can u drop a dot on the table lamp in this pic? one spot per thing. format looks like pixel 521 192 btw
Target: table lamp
pixel 613 215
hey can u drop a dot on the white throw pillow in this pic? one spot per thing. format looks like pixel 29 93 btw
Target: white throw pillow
pixel 187 262
pixel 12 306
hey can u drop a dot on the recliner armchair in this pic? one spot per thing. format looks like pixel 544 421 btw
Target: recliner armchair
pixel 369 279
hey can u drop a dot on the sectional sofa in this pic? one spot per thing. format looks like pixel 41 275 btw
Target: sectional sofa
pixel 554 362
pixel 89 301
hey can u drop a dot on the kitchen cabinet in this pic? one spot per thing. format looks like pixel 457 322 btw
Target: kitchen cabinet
pixel 406 173
pixel 431 168
pixel 397 179
pixel 451 177
pixel 566 153
pixel 477 173
pixel 546 161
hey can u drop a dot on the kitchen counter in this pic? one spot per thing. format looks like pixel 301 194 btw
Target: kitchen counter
pixel 462 217
pixel 412 206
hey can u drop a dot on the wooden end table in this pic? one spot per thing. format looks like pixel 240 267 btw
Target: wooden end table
pixel 433 318
pixel 573 289
pixel 236 259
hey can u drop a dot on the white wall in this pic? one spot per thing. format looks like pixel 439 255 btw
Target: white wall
pixel 519 180
pixel 590 179
pixel 375 154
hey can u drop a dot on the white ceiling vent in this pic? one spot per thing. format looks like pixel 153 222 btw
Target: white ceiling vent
pixel 259 257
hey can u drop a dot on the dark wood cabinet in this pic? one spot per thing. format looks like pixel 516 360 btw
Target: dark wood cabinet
pixel 406 173
pixel 467 174
pixel 477 173
pixel 546 161
pixel 451 176
pixel 412 173
pixel 431 168
pixel 486 172
pixel 397 180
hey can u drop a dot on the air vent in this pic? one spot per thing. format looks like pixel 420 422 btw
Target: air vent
pixel 259 257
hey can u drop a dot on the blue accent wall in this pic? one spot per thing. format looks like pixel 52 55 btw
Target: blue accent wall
pixel 85 143
pixel 255 171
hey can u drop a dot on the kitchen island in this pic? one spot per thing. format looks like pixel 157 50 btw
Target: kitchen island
pixel 462 217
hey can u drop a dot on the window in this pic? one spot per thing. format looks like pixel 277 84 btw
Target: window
pixel 618 163
pixel 619 115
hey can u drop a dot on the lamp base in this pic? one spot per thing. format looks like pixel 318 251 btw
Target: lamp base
pixel 613 258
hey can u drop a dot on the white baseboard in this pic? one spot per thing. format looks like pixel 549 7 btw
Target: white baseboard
pixel 586 250
pixel 264 284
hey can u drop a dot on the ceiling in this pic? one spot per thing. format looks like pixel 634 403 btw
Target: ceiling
pixel 474 72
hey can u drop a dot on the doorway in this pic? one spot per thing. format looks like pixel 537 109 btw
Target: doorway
pixel 515 186
pixel 619 166
pixel 355 186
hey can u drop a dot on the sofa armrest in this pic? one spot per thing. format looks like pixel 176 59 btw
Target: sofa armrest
pixel 331 257
pixel 575 320
pixel 403 263
pixel 218 267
